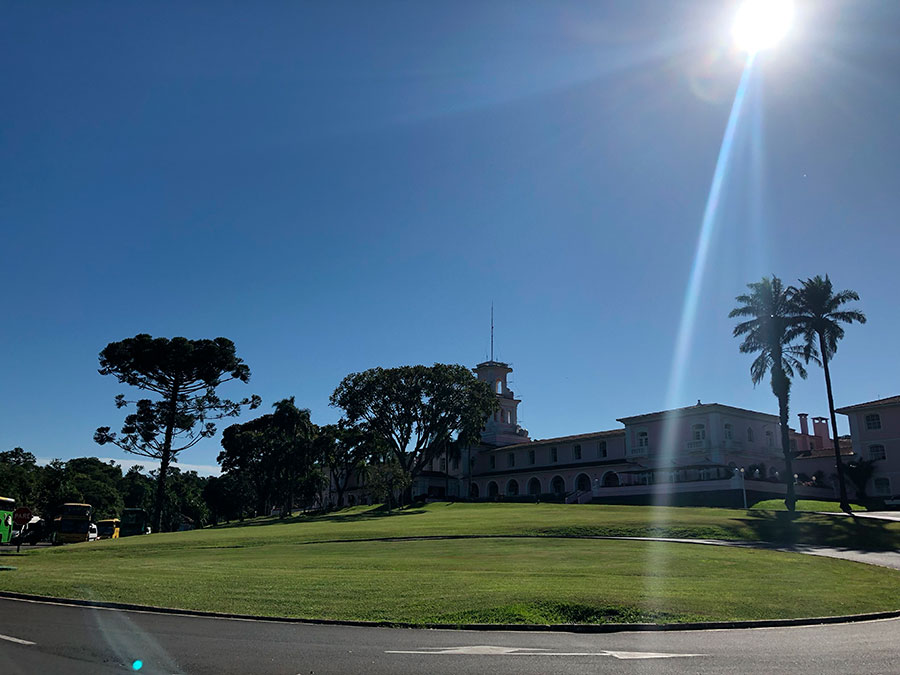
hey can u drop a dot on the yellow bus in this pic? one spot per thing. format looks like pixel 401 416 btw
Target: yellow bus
pixel 74 524
pixel 108 528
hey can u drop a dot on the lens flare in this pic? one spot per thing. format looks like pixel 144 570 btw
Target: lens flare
pixel 760 24
pixel 137 665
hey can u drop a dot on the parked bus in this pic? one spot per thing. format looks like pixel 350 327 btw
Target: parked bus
pixel 108 528
pixel 134 521
pixel 7 506
pixel 74 524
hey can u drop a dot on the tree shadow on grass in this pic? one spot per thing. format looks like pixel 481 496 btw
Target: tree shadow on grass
pixel 789 529
pixel 375 512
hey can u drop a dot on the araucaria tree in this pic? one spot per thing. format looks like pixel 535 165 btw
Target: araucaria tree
pixel 417 410
pixel 183 375
pixel 768 332
pixel 819 315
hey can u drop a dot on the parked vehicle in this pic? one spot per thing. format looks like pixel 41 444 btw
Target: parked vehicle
pixel 108 528
pixel 7 506
pixel 36 530
pixel 74 524
pixel 134 521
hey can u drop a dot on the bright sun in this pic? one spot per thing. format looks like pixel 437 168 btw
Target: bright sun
pixel 759 24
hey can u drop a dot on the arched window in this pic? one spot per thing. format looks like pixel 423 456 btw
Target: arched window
pixel 698 431
pixel 509 416
pixel 534 487
pixel 512 489
pixel 729 432
pixel 498 387
pixel 493 490
pixel 643 439
pixel 583 483
pixel 610 479
pixel 558 486
pixel 473 491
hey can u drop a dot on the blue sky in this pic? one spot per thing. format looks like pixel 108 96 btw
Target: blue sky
pixel 336 186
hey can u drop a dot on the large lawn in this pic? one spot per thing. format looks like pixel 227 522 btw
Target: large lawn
pixel 307 568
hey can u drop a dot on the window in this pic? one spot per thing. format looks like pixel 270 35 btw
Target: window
pixel 643 439
pixel 873 422
pixel 576 452
pixel 876 452
pixel 699 432
pixel 553 455
pixel 729 432
pixel 443 465
pixel 749 434
pixel 511 459
pixel 601 449
pixel 509 416
pixel 531 456
pixel 882 486
pixel 492 462
pixel 498 387
pixel 456 464
pixel 770 439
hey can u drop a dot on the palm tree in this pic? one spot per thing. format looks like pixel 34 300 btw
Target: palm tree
pixel 818 313
pixel 768 331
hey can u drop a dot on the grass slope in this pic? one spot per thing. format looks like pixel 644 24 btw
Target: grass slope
pixel 311 567
pixel 805 505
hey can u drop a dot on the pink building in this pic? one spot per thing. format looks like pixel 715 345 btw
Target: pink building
pixel 705 454
pixel 709 453
pixel 875 433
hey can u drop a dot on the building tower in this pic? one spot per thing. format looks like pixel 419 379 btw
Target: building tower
pixel 503 427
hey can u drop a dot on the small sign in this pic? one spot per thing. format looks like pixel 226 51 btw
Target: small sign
pixel 22 515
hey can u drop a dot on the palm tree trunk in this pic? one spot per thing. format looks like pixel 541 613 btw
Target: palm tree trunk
pixel 842 486
pixel 783 389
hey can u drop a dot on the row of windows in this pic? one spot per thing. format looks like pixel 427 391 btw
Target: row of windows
pixel 698 433
pixel 554 455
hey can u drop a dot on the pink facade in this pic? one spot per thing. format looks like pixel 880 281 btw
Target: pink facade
pixel 875 432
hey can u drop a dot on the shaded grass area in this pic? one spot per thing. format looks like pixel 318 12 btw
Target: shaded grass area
pixel 804 505
pixel 297 568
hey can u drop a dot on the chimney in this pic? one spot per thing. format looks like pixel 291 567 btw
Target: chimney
pixel 820 429
pixel 804 425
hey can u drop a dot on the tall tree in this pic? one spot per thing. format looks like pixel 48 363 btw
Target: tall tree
pixel 20 476
pixel 819 316
pixel 417 410
pixel 344 448
pixel 768 332
pixel 184 374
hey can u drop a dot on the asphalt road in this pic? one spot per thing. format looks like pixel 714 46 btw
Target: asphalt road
pixel 48 638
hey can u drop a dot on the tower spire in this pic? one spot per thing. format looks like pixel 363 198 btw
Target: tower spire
pixel 492 331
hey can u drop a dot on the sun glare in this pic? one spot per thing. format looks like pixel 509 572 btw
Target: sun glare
pixel 760 24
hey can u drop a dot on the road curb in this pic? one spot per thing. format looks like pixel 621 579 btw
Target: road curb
pixel 556 628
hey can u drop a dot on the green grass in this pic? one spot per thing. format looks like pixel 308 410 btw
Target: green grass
pixel 804 505
pixel 302 568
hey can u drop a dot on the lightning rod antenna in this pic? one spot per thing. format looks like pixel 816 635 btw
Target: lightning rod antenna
pixel 492 331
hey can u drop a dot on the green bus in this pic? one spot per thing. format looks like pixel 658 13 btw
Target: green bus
pixel 7 506
pixel 134 521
